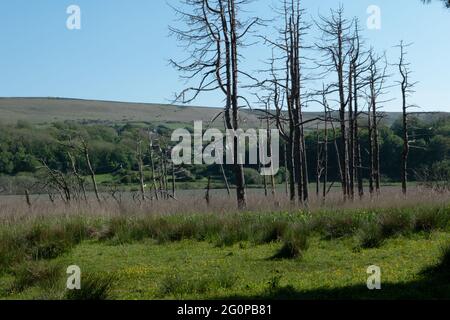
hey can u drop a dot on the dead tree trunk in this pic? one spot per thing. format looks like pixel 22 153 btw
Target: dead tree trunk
pixel 91 170
pixel 173 181
pixel 371 153
pixel 225 179
pixel 286 178
pixel 152 164
pixel 79 178
pixel 213 39
pixel 376 85
pixel 208 190
pixel 357 145
pixel 351 130
pixel 406 89
pixel 337 49
pixel 325 150
pixel 318 162
pixel 140 162
pixel 27 198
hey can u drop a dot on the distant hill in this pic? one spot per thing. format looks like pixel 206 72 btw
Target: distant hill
pixel 48 110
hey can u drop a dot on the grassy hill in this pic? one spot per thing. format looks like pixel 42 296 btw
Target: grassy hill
pixel 48 110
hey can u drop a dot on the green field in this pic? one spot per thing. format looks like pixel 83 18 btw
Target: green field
pixel 226 257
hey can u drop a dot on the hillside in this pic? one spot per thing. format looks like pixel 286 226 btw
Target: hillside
pixel 48 110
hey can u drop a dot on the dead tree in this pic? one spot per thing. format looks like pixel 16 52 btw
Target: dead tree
pixel 370 150
pixel 85 150
pixel 376 84
pixel 406 89
pixel 270 149
pixel 173 181
pixel 336 48
pixel 213 38
pixel 140 163
pixel 208 190
pixel 284 87
pixel 59 182
pixel 225 179
pixel 325 150
pixel 152 164
pixel 358 67
pixel 319 168
pixel 27 198
pixel 80 179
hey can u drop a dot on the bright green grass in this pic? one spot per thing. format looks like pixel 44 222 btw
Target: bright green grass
pixel 200 270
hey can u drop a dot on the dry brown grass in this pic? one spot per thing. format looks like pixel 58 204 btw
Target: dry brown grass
pixel 14 208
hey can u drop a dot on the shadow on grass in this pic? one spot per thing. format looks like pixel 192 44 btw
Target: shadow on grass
pixel 434 284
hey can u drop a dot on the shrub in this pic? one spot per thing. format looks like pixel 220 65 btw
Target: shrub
pixel 177 286
pixel 31 273
pixel 370 235
pixel 252 176
pixel 395 222
pixel 429 220
pixel 295 243
pixel 93 287
pixel 338 226
pixel 271 232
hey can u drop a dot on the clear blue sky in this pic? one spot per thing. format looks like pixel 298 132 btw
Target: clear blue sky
pixel 122 51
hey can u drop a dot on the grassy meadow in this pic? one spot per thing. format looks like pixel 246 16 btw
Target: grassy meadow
pixel 287 253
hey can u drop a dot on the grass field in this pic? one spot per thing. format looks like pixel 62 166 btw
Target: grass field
pixel 293 255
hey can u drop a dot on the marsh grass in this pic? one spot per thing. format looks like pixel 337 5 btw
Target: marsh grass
pixel 32 273
pixel 93 287
pixel 295 243
pixel 39 238
pixel 175 285
pixel 370 235
pixel 396 222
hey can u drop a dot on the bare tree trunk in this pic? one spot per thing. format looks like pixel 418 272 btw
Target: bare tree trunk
pixel 338 155
pixel 351 129
pixel 376 149
pixel 371 153
pixel 27 198
pixel 270 150
pixel 406 88
pixel 357 146
pixel 338 49
pixel 152 164
pixel 173 181
pixel 325 153
pixel 286 178
pixel 91 170
pixel 80 179
pixel 318 163
pixel 213 38
pixel 239 169
pixel 140 168
pixel 165 174
pixel 208 189
pixel 405 152
pixel 225 179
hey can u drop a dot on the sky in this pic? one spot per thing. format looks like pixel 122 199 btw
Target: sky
pixel 122 50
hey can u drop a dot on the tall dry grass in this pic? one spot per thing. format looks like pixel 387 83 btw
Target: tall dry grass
pixel 15 208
